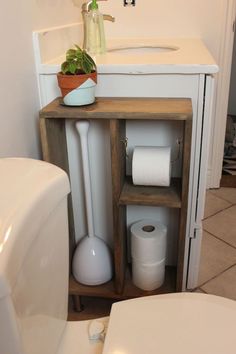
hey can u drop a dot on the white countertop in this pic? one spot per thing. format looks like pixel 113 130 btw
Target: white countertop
pixel 190 57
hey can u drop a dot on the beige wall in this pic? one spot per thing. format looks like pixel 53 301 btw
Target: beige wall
pixel 49 13
pixel 18 87
pixel 168 18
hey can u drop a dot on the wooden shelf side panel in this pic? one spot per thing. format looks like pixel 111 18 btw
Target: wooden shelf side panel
pixel 54 149
pixel 184 197
pixel 118 151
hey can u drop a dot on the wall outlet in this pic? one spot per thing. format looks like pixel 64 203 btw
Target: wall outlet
pixel 129 2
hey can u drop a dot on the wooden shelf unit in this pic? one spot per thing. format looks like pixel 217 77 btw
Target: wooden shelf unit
pixel 117 111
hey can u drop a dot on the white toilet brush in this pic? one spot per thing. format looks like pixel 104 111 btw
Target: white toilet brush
pixel 92 261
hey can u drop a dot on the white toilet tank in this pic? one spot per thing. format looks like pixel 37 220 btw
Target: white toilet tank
pixel 33 256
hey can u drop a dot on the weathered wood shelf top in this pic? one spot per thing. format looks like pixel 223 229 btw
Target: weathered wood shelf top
pixel 158 196
pixel 123 108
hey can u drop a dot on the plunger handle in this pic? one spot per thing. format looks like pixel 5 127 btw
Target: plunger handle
pixel 82 127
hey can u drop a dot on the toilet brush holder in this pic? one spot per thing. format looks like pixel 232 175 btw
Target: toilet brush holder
pixel 92 261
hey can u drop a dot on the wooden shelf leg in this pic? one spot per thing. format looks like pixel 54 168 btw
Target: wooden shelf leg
pixel 118 159
pixel 78 306
pixel 54 148
pixel 184 206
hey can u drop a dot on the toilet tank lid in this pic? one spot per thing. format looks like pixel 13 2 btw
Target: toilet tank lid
pixel 26 185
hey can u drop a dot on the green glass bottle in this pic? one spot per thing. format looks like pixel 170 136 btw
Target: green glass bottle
pixel 95 34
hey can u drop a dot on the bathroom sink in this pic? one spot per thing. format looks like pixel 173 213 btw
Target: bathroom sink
pixel 140 50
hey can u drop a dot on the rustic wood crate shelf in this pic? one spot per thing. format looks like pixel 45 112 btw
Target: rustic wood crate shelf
pixel 117 111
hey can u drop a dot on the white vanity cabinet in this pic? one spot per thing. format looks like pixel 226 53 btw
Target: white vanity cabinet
pixel 199 88
pixel 184 73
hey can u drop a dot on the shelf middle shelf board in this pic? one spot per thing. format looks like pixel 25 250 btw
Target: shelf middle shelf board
pixel 153 196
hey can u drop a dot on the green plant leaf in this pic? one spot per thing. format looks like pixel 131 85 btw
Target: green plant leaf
pixel 72 67
pixel 70 54
pixel 90 59
pixel 77 60
pixel 78 56
pixel 87 63
pixel 76 46
pixel 64 67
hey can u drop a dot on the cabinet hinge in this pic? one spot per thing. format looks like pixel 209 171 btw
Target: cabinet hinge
pixel 195 233
pixel 234 26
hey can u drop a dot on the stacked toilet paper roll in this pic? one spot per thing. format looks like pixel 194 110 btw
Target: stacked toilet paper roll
pixel 151 165
pixel 148 251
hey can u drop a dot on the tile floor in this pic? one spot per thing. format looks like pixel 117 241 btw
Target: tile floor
pixel 217 274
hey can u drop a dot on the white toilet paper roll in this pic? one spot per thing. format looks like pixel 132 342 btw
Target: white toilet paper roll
pixel 151 166
pixel 148 276
pixel 148 241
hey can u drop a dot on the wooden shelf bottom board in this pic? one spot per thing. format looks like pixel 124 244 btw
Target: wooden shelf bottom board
pixel 228 181
pixel 130 290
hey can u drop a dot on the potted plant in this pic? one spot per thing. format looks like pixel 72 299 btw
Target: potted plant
pixel 77 78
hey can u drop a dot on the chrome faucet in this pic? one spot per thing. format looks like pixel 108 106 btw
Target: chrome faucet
pixel 85 9
pixel 108 17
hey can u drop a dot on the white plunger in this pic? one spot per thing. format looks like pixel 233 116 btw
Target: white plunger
pixel 92 262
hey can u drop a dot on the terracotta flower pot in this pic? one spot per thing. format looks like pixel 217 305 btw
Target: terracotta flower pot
pixel 77 90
